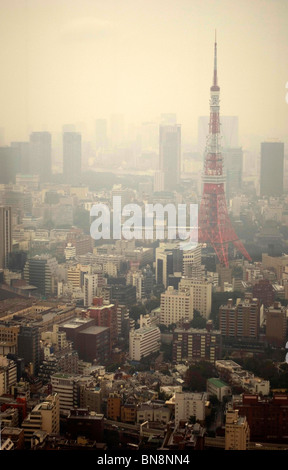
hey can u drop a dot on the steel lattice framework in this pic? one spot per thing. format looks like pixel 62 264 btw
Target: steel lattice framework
pixel 215 227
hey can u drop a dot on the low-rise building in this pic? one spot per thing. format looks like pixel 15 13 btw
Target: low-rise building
pixel 218 388
pixel 233 374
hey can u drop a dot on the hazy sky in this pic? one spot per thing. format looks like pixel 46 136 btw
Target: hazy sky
pixel 70 61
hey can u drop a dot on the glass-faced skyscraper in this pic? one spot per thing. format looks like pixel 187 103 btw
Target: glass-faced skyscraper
pixel 271 169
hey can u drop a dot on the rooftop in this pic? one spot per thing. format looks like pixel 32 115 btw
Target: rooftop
pixel 217 382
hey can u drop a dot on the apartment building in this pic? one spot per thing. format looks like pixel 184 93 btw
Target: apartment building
pixel 201 291
pixel 175 306
pixel 237 431
pixel 45 416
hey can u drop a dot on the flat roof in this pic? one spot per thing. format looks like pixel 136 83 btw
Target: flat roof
pixel 92 330
pixel 217 382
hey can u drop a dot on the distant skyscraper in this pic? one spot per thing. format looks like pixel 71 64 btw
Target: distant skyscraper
pixel 22 157
pixel 170 155
pixel 101 133
pixel 5 235
pixel 41 155
pixel 8 165
pixel 233 167
pixel 72 157
pixel 272 169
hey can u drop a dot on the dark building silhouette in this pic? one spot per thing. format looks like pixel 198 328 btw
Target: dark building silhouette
pixel 125 295
pixel 29 346
pixel 263 290
pixel 81 422
pixel 271 169
pixel 5 236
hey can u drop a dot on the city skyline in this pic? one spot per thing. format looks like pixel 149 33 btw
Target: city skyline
pixel 74 62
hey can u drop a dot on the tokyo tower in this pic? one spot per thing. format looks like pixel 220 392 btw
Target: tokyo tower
pixel 215 227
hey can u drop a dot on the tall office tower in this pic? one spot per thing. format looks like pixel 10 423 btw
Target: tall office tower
pixel 29 347
pixel 233 166
pixel 271 169
pixel 40 271
pixel 5 235
pixel 22 157
pixel 237 432
pixel 170 155
pixel 9 165
pixel 72 150
pixel 192 262
pixel 169 260
pixel 41 155
pixel 101 133
pixel 215 227
pixel 91 282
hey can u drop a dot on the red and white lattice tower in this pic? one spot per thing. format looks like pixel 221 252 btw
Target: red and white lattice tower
pixel 215 227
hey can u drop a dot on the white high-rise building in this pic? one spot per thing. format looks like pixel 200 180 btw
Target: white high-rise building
pixel 144 341
pixel 201 291
pixel 8 374
pixel 189 404
pixel 91 282
pixel 192 262
pixel 237 431
pixel 45 417
pixel 65 386
pixel 175 306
